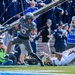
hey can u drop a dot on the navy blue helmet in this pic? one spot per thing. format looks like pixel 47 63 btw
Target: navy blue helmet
pixel 29 16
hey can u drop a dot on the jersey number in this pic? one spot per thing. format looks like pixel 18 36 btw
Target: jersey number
pixel 23 31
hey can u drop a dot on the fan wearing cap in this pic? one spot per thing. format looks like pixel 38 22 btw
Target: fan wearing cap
pixel 46 34
pixel 71 35
pixel 46 31
pixel 60 41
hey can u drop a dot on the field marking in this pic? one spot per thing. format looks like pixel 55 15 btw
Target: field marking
pixel 18 73
pixel 33 72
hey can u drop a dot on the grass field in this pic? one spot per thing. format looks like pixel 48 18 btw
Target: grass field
pixel 45 69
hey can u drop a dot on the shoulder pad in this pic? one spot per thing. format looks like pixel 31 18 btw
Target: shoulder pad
pixel 33 23
pixel 22 20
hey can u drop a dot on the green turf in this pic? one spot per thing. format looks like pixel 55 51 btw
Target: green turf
pixel 65 69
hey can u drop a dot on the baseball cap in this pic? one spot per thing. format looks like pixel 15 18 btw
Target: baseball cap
pixel 66 24
pixel 60 23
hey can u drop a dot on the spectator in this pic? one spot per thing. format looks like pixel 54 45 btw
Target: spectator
pixel 7 5
pixel 2 51
pixel 44 16
pixel 40 3
pixel 31 9
pixel 60 42
pixel 71 36
pixel 73 9
pixel 46 34
pixel 67 8
pixel 47 1
pixel 13 10
pixel 52 16
pixel 59 14
pixel 2 55
pixel 39 23
pixel 2 8
pixel 46 31
pixel 73 12
pixel 65 30
pixel 24 4
pixel 42 19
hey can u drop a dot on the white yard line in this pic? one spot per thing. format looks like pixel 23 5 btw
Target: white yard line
pixel 33 72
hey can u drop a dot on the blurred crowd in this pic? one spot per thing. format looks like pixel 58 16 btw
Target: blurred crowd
pixel 63 12
pixel 58 23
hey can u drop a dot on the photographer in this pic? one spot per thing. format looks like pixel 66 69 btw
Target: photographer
pixel 71 35
pixel 2 54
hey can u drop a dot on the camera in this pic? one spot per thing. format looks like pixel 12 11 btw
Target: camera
pixel 73 22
